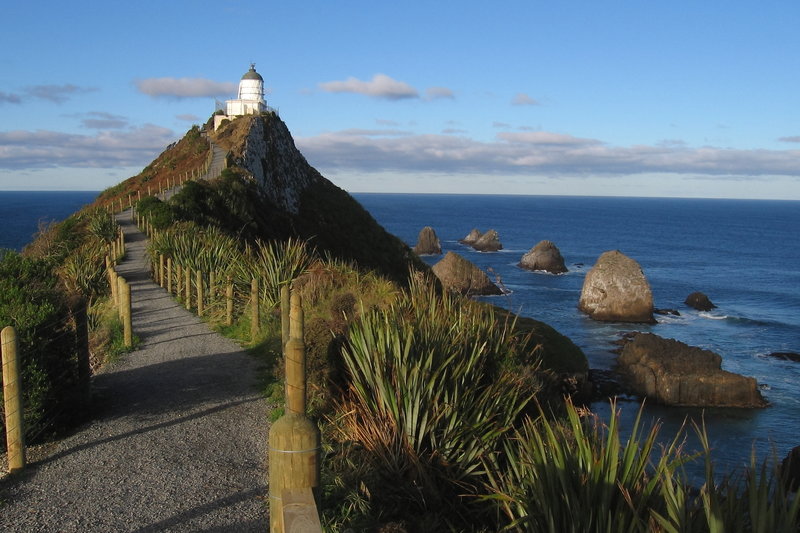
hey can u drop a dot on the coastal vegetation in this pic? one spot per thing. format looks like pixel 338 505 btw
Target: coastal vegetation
pixel 437 412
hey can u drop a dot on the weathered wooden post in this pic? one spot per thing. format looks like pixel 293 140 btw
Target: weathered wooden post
pixel 12 400
pixel 188 288
pixel 125 311
pixel 139 195
pixel 285 303
pixel 255 319
pixel 148 191
pixel 112 280
pixel 198 280
pixel 169 275
pixel 114 253
pixel 229 302
pixel 293 439
pixel 161 280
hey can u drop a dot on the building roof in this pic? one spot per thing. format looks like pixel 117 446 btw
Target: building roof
pixel 252 74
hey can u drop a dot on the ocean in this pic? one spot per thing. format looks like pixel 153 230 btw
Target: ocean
pixel 745 255
pixel 21 212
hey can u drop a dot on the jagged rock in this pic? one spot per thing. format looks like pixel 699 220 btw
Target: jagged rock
pixel 275 194
pixel 786 356
pixel 699 301
pixel 673 312
pixel 616 290
pixel 471 238
pixel 488 242
pixel 545 256
pixel 461 275
pixel 790 469
pixel 673 373
pixel 428 242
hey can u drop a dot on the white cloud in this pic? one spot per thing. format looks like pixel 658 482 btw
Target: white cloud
pixel 56 93
pixel 795 139
pixel 380 86
pixel 179 88
pixel 523 99
pixel 22 149
pixel 100 120
pixel 535 153
pixel 188 117
pixel 436 93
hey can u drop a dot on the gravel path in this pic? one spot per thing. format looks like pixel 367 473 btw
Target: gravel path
pixel 178 444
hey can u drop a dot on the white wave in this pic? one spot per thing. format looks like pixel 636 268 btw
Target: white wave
pixel 713 317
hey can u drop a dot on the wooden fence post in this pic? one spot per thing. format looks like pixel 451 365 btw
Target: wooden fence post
pixel 255 319
pixel 178 280
pixel 169 275
pixel 125 311
pixel 293 439
pixel 12 400
pixel 285 303
pixel 229 302
pixel 198 280
pixel 112 280
pixel 161 280
pixel 187 293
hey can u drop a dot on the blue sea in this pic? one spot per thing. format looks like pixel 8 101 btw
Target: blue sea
pixel 745 255
pixel 21 212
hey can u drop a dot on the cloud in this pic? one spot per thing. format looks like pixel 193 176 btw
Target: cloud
pixel 535 153
pixel 436 93
pixel 10 98
pixel 523 99
pixel 23 149
pixel 501 125
pixel 179 88
pixel 795 139
pixel 188 117
pixel 381 86
pixel 99 120
pixel 453 131
pixel 56 93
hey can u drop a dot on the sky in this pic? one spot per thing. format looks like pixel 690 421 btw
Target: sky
pixel 620 98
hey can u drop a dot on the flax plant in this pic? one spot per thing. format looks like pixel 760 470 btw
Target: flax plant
pixel 429 400
pixel 274 264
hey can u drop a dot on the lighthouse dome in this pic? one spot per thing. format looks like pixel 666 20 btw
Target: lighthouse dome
pixel 252 74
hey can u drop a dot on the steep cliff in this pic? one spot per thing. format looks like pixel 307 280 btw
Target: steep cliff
pixel 294 199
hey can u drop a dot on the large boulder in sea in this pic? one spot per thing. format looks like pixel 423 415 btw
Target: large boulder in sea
pixel 471 238
pixel 790 470
pixel 428 242
pixel 488 242
pixel 545 256
pixel 460 275
pixel 699 301
pixel 616 290
pixel 673 373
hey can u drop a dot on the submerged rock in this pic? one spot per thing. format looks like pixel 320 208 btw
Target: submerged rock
pixel 616 290
pixel 545 256
pixel 673 373
pixel 786 356
pixel 427 242
pixel 699 301
pixel 461 275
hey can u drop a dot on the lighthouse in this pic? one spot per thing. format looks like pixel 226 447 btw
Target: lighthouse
pixel 250 98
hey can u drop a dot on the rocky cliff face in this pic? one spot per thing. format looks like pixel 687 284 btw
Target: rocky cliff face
pixel 295 200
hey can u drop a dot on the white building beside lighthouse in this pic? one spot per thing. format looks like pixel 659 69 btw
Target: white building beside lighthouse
pixel 250 100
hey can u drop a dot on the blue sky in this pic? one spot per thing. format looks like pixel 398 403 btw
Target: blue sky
pixel 691 99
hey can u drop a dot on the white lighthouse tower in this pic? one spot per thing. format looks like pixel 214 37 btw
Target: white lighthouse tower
pixel 250 99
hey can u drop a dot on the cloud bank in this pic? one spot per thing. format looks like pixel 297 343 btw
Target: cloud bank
pixel 534 153
pixel 21 149
pixel 380 86
pixel 180 88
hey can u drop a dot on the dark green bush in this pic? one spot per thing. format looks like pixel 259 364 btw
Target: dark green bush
pixel 31 303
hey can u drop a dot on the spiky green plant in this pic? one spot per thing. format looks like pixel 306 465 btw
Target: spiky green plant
pixel 429 399
pixel 274 264
pixel 83 271
pixel 103 225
